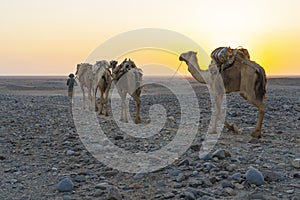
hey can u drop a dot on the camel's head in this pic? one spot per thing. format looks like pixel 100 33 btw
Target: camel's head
pixel 113 64
pixel 128 64
pixel 186 56
pixel 102 63
pixel 77 68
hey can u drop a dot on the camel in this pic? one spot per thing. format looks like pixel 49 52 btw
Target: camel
pixel 102 81
pixel 128 79
pixel 83 73
pixel 241 75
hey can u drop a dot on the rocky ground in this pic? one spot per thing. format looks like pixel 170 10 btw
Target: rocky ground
pixel 42 156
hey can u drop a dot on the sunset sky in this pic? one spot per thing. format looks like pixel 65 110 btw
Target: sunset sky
pixel 51 37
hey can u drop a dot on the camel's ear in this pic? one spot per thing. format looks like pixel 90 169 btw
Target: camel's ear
pixel 129 59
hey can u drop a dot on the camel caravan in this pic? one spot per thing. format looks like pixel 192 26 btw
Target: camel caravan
pixel 127 77
pixel 238 72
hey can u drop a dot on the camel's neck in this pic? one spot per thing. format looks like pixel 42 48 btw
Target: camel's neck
pixel 195 70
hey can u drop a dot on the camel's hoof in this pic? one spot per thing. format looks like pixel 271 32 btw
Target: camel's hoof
pixel 235 129
pixel 137 121
pixel 124 121
pixel 106 114
pixel 100 113
pixel 212 132
pixel 256 134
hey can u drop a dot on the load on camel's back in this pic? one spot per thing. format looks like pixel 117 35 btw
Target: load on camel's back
pixel 225 56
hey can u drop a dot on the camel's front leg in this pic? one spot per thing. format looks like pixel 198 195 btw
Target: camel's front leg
pixel 257 131
pixel 217 106
pixel 95 100
pixel 83 96
pixel 90 99
pixel 101 103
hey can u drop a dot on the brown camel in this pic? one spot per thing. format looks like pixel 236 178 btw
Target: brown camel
pixel 128 79
pixel 102 81
pixel 83 73
pixel 239 74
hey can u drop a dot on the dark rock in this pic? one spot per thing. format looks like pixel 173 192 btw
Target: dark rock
pixel 221 154
pixel 226 184
pixel 296 174
pixel 296 163
pixel 195 147
pixel 119 137
pixel 184 162
pixel 103 186
pixel 231 167
pixel 207 182
pixel 110 173
pixel 213 179
pixel 229 191
pixel 188 195
pixel 175 172
pixel 65 185
pixel 254 176
pixel 223 174
pixel 195 192
pixel 139 175
pixel 67 197
pixel 98 193
pixel 69 152
pixel 195 183
pixel 79 178
pixel 195 173
pixel 271 176
pixel 236 176
pixel 160 184
pixel 178 185
pixel 256 197
pixel 205 156
pixel 169 195
pixel 180 177
pixel 114 194
pixel 209 166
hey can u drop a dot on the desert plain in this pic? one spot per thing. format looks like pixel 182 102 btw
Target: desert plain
pixel 43 157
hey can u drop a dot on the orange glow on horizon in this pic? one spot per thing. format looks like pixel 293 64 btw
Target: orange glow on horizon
pixel 50 38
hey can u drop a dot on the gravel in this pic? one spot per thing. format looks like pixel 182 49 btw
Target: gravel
pixel 42 156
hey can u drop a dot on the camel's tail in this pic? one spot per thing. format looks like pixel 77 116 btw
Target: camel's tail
pixel 138 78
pixel 106 80
pixel 260 84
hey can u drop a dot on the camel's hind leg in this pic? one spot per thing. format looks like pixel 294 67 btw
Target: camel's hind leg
pixel 136 96
pixel 123 107
pixel 261 112
pixel 231 127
